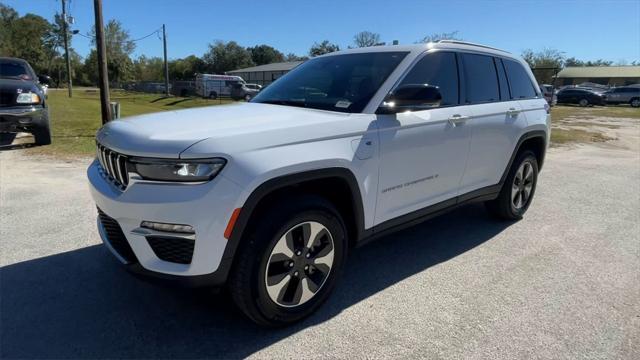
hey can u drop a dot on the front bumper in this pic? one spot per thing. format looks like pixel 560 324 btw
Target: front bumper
pixel 207 207
pixel 22 118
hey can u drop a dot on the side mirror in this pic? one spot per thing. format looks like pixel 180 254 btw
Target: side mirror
pixel 44 79
pixel 411 97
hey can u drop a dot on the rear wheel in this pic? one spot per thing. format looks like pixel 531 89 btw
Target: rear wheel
pixel 583 102
pixel 635 102
pixel 247 97
pixel 517 192
pixel 213 95
pixel 288 265
pixel 42 135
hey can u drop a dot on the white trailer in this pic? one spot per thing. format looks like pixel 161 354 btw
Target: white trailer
pixel 213 86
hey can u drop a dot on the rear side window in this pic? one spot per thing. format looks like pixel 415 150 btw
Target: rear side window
pixel 481 80
pixel 521 86
pixel 438 69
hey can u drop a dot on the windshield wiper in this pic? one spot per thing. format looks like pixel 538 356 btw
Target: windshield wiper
pixel 298 103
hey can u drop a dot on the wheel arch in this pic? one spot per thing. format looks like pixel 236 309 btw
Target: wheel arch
pixel 338 185
pixel 536 141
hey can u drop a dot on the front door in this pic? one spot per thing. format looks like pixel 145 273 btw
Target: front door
pixel 423 153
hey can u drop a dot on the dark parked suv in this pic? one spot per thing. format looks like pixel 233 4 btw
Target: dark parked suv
pixel 582 97
pixel 22 101
pixel 623 95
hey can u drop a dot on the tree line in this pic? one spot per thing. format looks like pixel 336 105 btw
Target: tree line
pixel 40 42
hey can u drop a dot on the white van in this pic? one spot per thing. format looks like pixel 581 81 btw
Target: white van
pixel 213 86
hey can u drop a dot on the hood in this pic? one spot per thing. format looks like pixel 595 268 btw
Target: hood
pixel 233 127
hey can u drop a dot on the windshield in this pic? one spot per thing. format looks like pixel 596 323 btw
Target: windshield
pixel 14 69
pixel 342 83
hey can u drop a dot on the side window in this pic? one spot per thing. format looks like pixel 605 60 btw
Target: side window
pixel 481 80
pixel 504 83
pixel 438 69
pixel 521 86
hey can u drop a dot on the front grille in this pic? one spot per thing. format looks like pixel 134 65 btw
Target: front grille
pixel 116 237
pixel 176 250
pixel 8 98
pixel 114 166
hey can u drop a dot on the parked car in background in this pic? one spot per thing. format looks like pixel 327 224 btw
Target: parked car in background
pixel 244 91
pixel 23 106
pixel 582 97
pixel 549 94
pixel 623 95
pixel 214 86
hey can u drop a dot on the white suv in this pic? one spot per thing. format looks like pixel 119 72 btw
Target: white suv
pixel 268 197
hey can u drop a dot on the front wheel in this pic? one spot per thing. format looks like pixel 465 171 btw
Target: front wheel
pixel 42 135
pixel 247 97
pixel 213 95
pixel 518 189
pixel 635 102
pixel 288 265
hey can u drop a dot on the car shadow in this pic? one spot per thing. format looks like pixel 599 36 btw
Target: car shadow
pixel 80 304
pixel 8 142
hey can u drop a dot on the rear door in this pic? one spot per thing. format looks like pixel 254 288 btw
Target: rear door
pixel 423 153
pixel 497 123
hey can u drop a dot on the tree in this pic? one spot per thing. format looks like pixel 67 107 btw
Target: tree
pixel 185 69
pixel 322 48
pixel 366 38
pixel 8 16
pixel 148 69
pixel 294 57
pixel 572 61
pixel 119 48
pixel 441 36
pixel 222 57
pixel 545 64
pixel 265 54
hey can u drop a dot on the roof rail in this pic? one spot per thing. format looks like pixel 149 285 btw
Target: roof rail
pixel 470 44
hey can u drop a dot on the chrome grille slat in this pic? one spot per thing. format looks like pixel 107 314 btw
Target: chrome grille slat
pixel 114 166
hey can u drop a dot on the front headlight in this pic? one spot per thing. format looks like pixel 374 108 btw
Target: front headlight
pixel 28 98
pixel 177 170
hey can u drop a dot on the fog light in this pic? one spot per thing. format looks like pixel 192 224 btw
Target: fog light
pixel 175 228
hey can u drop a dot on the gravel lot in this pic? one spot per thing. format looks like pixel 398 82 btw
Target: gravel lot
pixel 562 283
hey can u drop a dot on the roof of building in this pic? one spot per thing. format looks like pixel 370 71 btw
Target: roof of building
pixel 281 66
pixel 600 72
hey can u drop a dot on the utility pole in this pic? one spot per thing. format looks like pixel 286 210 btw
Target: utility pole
pixel 166 66
pixel 102 63
pixel 65 30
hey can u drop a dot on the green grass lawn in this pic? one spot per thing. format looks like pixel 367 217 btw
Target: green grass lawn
pixel 74 121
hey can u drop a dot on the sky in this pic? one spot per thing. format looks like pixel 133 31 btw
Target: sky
pixel 587 30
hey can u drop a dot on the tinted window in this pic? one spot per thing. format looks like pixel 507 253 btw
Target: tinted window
pixel 502 76
pixel 437 69
pixel 14 69
pixel 521 86
pixel 481 80
pixel 344 83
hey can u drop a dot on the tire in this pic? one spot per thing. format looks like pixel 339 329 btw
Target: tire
pixel 42 135
pixel 583 102
pixel 213 95
pixel 247 97
pixel 283 297
pixel 635 102
pixel 514 199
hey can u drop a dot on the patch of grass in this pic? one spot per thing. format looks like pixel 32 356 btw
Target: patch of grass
pixel 567 112
pixel 74 121
pixel 564 136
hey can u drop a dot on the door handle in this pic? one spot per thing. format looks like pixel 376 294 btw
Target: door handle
pixel 457 119
pixel 513 112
